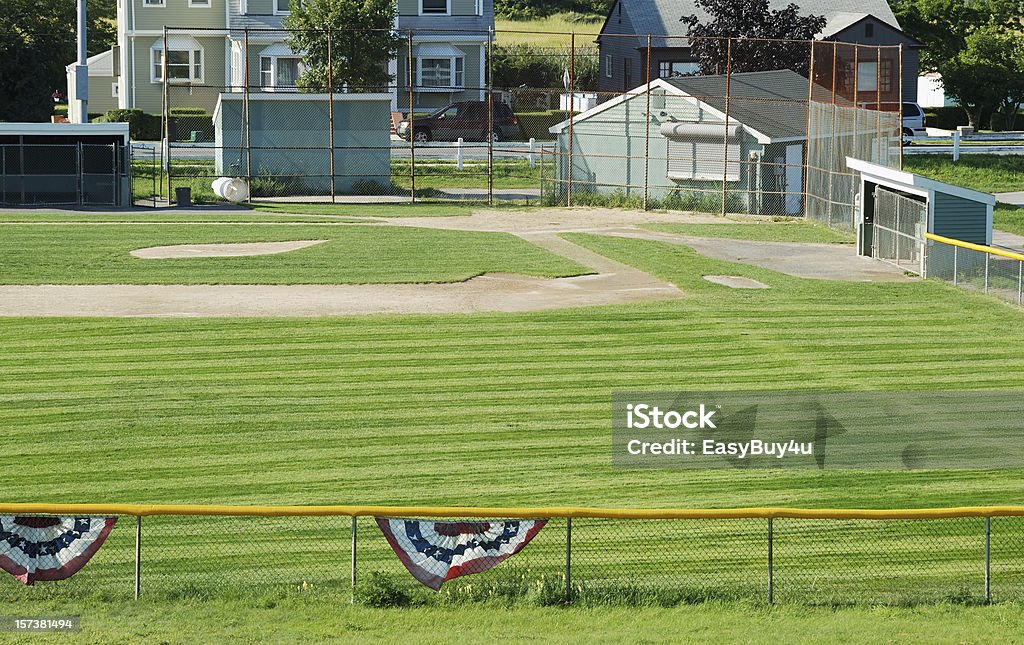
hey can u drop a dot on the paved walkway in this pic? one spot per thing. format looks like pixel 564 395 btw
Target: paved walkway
pixel 1014 199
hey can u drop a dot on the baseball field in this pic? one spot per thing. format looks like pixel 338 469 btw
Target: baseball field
pixel 497 398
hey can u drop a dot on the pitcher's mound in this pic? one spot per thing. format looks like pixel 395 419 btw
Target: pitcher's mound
pixel 221 250
pixel 736 282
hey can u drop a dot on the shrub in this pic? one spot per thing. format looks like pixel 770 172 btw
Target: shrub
pixel 535 124
pixel 946 118
pixel 380 590
pixel 542 67
pixel 141 126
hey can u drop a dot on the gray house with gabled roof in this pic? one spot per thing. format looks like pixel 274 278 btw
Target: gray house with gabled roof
pixel 623 39
pixel 686 149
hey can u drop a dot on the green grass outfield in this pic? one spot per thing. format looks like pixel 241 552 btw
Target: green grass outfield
pixel 319 619
pixel 505 409
pixel 99 254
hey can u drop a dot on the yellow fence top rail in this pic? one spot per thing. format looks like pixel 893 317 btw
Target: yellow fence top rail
pixel 500 512
pixel 975 247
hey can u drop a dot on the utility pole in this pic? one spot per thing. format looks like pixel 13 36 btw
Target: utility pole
pixel 80 111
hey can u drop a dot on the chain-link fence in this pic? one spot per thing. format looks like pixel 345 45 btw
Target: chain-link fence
pixel 994 271
pixel 453 119
pixel 897 233
pixel 661 557
pixel 63 174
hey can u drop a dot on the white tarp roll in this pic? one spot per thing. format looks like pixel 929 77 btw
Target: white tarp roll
pixel 683 130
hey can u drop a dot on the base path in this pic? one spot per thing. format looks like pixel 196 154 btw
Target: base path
pixel 610 283
pixel 613 283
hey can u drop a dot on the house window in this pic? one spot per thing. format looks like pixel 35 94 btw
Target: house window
pixel 440 72
pixel 280 73
pixel 869 30
pixel 670 68
pixel 199 3
pixel 867 77
pixel 608 65
pixel 282 7
pixel 152 3
pixel 182 65
pixel 434 7
pixel 885 77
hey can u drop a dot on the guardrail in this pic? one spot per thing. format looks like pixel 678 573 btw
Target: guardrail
pixel 994 271
pixel 585 555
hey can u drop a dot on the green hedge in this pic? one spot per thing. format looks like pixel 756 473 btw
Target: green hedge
pixel 947 118
pixel 141 126
pixel 535 124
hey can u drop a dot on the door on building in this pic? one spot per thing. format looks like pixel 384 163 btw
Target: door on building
pixel 898 227
pixel 794 179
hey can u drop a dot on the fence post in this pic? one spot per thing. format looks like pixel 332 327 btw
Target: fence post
pixel 1020 283
pixel 647 129
pixel 568 559
pixel 725 136
pixel 330 111
pixel 954 264
pixel 988 560
pixel 956 145
pixel 986 272
pixel 533 159
pixel 490 119
pixel 245 111
pixel 353 598
pixel 572 118
pixel 166 148
pixel 410 76
pixel 771 564
pixel 899 66
pixel 458 153
pixel 138 556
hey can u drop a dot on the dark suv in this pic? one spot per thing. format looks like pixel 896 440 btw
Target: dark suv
pixel 466 119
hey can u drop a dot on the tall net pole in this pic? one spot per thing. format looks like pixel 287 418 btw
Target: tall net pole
pixel 245 111
pixel 647 129
pixel 330 110
pixel 725 134
pixel 410 76
pixel 490 119
pixel 572 96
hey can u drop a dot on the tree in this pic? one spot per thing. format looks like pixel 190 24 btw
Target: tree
pixel 746 21
pixel 988 72
pixel 963 41
pixel 37 41
pixel 358 55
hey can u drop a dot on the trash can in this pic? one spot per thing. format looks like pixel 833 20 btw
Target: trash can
pixel 183 195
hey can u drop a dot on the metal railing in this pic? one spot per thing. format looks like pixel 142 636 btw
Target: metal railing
pixel 994 271
pixel 585 555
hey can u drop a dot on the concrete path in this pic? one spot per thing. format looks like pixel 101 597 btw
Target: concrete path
pixel 1014 199
pixel 815 261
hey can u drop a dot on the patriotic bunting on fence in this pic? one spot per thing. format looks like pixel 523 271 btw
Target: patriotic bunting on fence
pixel 49 548
pixel 434 552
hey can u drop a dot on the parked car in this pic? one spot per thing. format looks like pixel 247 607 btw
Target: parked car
pixel 466 120
pixel 913 121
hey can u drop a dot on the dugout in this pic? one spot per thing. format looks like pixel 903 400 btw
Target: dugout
pixel 924 206
pixel 63 164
